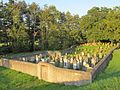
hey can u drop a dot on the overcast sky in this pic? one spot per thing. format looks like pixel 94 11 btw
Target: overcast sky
pixel 76 6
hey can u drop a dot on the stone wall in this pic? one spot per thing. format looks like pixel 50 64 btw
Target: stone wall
pixel 54 74
pixel 24 67
pixel 49 72
pixel 102 64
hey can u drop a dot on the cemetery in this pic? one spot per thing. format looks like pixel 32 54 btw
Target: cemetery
pixel 59 45
pixel 83 57
pixel 86 61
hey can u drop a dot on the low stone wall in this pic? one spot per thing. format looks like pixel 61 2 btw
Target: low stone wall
pixel 102 64
pixel 24 67
pixel 50 73
pixel 54 74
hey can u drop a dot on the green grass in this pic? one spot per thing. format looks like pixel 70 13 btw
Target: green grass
pixel 109 79
pixel 92 49
pixel 12 55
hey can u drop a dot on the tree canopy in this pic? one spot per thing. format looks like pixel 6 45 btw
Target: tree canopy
pixel 28 27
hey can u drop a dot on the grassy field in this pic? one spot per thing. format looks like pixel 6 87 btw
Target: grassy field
pixel 109 79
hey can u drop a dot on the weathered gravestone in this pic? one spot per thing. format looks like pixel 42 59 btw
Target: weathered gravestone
pixel 71 63
pixel 61 62
pixel 66 62
pixel 74 64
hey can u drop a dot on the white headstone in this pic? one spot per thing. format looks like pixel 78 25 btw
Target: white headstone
pixel 74 65
pixel 37 59
pixel 23 59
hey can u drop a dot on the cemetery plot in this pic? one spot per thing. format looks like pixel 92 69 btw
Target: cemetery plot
pixel 85 56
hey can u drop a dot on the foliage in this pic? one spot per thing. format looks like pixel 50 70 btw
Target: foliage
pixel 28 27
pixel 101 24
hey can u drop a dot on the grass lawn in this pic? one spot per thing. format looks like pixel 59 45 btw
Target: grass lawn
pixel 109 79
pixel 12 55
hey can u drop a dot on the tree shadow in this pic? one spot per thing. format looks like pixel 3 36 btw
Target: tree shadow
pixel 4 80
pixel 52 86
pixel 105 76
pixel 2 68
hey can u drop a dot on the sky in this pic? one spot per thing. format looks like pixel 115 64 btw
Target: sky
pixel 75 6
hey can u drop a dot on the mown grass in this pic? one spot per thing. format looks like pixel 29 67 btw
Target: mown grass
pixel 15 55
pixel 109 79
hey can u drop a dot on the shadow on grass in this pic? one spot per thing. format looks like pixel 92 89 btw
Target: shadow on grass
pixel 2 68
pixel 104 75
pixel 52 86
pixel 4 80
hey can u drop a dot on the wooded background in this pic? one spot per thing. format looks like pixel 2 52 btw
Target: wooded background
pixel 28 27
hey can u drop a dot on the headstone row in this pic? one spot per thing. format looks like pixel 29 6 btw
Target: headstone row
pixel 80 60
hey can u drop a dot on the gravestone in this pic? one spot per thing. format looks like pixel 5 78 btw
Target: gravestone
pixel 78 62
pixel 81 61
pixel 40 56
pixel 57 62
pixel 61 62
pixel 100 56
pixel 36 58
pixel 89 59
pixel 85 66
pixel 93 62
pixel 66 62
pixel 82 53
pixel 23 59
pixel 74 64
pixel 42 59
pixel 32 59
pixel 86 59
pixel 71 63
